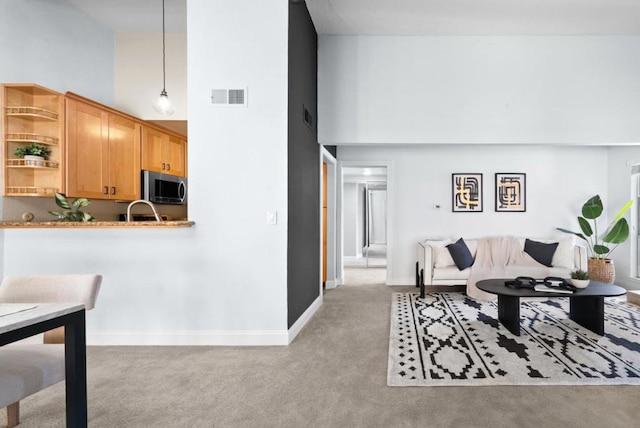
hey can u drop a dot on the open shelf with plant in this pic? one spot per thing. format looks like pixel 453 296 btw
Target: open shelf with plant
pixel 32 125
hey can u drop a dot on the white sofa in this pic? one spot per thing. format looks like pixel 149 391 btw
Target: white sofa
pixel 436 266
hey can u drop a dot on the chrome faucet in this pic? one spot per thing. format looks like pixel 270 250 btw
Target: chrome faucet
pixel 155 212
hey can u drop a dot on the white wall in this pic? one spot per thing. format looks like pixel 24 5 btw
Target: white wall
pixel 360 238
pixel 245 260
pixel 621 159
pixel 492 90
pixel 378 213
pixel 559 179
pixel 138 73
pixel 224 280
pixel 53 44
pixel 350 219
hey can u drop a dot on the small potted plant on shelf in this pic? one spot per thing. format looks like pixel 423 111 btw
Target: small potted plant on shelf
pixel 579 278
pixel 34 154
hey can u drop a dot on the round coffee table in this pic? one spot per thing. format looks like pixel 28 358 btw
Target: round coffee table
pixel 586 305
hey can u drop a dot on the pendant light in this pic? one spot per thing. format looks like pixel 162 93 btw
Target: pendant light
pixel 162 104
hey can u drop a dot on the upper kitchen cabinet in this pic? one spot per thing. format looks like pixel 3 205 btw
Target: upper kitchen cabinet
pixel 103 151
pixel 32 115
pixel 163 151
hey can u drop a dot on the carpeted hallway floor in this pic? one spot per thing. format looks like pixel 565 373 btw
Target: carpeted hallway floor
pixel 333 375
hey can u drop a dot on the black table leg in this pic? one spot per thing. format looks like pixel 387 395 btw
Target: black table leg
pixel 75 349
pixel 588 312
pixel 509 313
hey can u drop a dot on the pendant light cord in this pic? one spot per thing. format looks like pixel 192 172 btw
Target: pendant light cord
pixel 164 83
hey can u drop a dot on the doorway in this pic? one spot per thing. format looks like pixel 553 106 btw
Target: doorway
pixel 364 223
pixel 328 222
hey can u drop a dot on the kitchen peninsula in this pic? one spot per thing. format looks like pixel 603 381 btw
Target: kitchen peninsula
pixel 93 224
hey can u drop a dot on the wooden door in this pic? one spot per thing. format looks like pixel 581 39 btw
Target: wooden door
pixel 87 159
pixel 124 158
pixel 175 154
pixel 324 223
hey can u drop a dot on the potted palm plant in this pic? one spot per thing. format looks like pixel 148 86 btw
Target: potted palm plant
pixel 600 266
pixel 34 154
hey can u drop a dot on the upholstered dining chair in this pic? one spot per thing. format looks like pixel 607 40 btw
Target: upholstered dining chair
pixel 28 368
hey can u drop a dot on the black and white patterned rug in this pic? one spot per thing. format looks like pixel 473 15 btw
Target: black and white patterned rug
pixel 448 339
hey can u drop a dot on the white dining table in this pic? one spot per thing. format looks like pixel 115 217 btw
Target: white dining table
pixel 22 320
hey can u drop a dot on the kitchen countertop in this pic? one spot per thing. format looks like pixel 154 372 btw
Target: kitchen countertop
pixel 93 224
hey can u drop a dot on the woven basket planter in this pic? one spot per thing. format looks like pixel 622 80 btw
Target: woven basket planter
pixel 602 270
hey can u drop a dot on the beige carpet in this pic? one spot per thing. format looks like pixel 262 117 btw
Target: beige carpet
pixel 333 375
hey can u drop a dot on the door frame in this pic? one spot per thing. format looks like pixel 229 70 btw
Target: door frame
pixel 340 235
pixel 333 279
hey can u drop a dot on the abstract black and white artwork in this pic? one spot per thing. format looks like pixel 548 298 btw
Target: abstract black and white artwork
pixel 511 192
pixel 466 192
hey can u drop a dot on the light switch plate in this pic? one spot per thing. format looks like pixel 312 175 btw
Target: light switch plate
pixel 272 217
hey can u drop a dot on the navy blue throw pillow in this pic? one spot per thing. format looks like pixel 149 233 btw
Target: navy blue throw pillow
pixel 460 254
pixel 541 252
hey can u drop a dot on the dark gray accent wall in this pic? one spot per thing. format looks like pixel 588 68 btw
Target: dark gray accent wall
pixel 303 252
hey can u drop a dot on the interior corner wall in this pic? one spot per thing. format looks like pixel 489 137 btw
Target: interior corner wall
pixel 303 259
pixel 478 90
pixel 138 73
pixel 559 179
pixel 53 44
pixel 620 161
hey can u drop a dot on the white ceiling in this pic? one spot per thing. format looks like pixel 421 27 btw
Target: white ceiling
pixel 406 17
pixel 476 17
pixel 136 16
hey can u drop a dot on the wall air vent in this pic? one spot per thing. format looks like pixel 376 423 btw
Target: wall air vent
pixel 229 97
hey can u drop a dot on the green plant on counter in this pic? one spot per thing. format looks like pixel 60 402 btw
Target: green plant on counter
pixel 616 233
pixel 580 274
pixel 69 213
pixel 33 149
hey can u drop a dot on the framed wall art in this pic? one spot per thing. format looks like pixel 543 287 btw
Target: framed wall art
pixel 466 190
pixel 511 192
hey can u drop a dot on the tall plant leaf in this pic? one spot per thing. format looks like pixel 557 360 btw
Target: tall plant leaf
pixel 593 208
pixel 618 233
pixel 579 235
pixel 600 249
pixel 585 226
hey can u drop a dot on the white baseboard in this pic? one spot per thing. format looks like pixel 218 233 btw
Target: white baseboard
pixel 204 338
pixel 189 338
pixel 331 284
pixel 304 318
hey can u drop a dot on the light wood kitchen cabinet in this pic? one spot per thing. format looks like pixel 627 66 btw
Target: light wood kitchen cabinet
pixel 163 152
pixel 32 114
pixel 103 152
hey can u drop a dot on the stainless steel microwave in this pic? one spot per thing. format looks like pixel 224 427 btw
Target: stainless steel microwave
pixel 163 188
